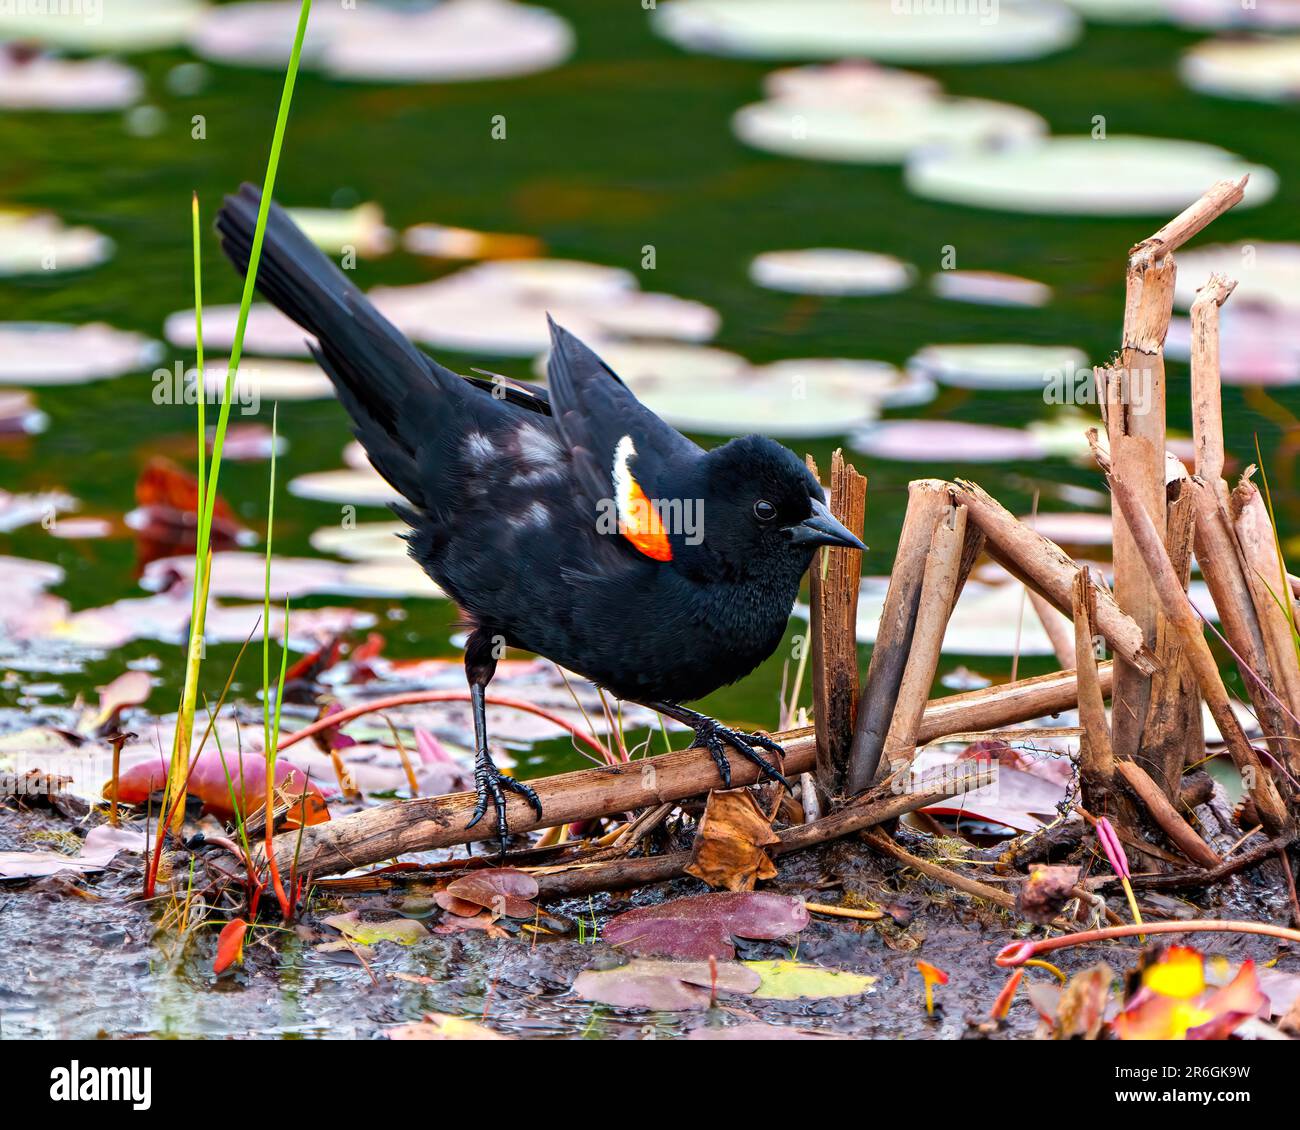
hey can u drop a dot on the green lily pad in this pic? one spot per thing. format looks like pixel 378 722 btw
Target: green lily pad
pixel 787 980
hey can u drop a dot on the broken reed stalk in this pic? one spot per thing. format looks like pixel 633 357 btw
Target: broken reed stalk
pixel 1207 387
pixel 881 804
pixel 423 823
pixel 1134 411
pixel 1041 564
pixel 1173 728
pixel 927 502
pixel 1180 833
pixel 1096 754
pixel 1257 779
pixel 833 629
pixel 939 583
pixel 991 708
pixel 1263 571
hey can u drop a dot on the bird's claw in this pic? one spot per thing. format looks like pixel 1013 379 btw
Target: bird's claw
pixel 714 736
pixel 491 784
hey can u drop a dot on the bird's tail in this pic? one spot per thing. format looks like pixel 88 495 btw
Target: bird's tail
pixel 389 388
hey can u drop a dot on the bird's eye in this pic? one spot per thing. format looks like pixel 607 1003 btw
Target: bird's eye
pixel 764 511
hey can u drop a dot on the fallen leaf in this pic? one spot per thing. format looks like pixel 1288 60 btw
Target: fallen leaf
pixel 795 980
pixel 1082 1010
pixel 436 1026
pixel 502 890
pixel 703 926
pixel 664 986
pixel 97 851
pixel 728 849
pixel 230 945
pixel 758 1031
pixel 402 931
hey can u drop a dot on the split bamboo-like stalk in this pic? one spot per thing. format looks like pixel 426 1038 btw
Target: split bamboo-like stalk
pixel 1181 834
pixel 1192 220
pixel 927 501
pixel 1174 716
pixel 1176 606
pixel 1135 421
pixel 991 708
pixel 1044 566
pixel 1263 572
pixel 833 629
pixel 938 593
pixel 1207 388
pixel 1096 753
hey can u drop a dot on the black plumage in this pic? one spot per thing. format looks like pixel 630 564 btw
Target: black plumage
pixel 525 506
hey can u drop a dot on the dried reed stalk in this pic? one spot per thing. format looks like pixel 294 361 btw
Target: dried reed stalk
pixel 833 629
pixel 1173 726
pixel 1096 753
pixel 1176 606
pixel 928 501
pixel 938 593
pixel 1060 632
pixel 1044 566
pixel 1207 388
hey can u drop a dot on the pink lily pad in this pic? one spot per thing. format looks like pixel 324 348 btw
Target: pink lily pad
pixel 664 986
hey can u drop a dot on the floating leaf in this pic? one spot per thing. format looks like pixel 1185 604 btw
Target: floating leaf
pixel 668 986
pixel 788 980
pixel 757 1031
pixel 703 926
pixel 369 932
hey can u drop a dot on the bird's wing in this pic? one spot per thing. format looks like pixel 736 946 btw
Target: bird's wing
pixel 622 453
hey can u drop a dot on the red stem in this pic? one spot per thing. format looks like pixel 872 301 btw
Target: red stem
pixel 1017 953
pixel 330 721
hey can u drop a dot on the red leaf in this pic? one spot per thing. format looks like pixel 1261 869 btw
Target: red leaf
pixel 702 927
pixel 230 945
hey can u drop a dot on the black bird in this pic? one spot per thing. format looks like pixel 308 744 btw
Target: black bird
pixel 573 522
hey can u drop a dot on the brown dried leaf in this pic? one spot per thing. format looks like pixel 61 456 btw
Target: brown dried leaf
pixel 728 850
pixel 1082 1010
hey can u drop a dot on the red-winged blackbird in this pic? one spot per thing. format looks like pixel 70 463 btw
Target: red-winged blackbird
pixel 574 524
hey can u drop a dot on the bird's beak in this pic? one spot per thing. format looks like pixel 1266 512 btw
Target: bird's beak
pixel 822 528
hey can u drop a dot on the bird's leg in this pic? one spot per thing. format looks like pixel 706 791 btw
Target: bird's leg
pixel 713 736
pixel 489 781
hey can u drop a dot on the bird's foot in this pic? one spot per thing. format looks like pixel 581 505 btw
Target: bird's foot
pixel 491 784
pixel 714 737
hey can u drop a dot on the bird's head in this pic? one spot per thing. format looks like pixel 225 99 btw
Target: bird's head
pixel 763 508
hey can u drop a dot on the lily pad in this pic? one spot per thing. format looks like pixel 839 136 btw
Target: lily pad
pixel 35 243
pixel 436 1026
pixel 19 414
pixel 454 41
pixel 266 379
pixel 443 241
pixel 1267 273
pixel 885 132
pixel 947 441
pixel 998 367
pixel 663 986
pixel 365 541
pixel 831 270
pixel 47 353
pixel 268 331
pixel 788 980
pixel 334 229
pixel 1259 344
pixel 43 82
pixel 347 486
pixel 1117 176
pixel 703 926
pixel 120 25
pixel 893 31
pixel 990 288
pixel 1260 70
